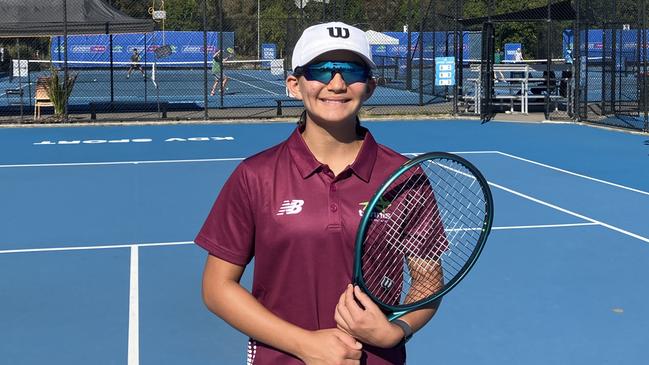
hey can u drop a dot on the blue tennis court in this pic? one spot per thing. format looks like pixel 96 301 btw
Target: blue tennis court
pixel 251 84
pixel 98 265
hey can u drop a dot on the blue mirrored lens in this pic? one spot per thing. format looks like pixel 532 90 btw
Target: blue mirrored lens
pixel 324 71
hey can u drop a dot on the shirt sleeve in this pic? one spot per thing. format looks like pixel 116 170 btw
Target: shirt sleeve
pixel 228 231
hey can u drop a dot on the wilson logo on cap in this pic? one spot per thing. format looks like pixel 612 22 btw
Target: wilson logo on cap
pixel 333 36
pixel 338 31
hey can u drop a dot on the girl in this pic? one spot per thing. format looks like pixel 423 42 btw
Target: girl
pixel 295 208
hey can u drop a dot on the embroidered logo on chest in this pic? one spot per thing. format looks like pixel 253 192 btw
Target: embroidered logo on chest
pixel 291 207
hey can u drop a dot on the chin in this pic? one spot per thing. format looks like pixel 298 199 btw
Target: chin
pixel 338 117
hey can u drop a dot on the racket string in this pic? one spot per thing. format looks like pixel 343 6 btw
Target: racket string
pixel 456 239
pixel 406 249
pixel 389 259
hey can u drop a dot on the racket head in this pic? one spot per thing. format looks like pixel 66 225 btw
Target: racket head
pixel 422 231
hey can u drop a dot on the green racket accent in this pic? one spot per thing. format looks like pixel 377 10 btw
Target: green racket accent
pixel 230 50
pixel 422 232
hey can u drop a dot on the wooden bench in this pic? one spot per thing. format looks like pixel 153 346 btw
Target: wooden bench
pixel 41 98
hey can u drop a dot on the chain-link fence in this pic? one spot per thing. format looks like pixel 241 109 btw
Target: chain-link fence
pixel 611 83
pixel 566 59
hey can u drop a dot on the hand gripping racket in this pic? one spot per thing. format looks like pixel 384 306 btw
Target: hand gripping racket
pixel 421 232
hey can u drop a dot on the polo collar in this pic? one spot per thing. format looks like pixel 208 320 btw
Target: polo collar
pixel 307 164
pixel 364 162
pixel 304 160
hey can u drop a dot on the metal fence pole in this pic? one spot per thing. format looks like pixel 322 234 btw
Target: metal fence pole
pixel 458 59
pixel 144 81
pixel 220 2
pixel 420 44
pixel 409 51
pixel 644 65
pixel 576 64
pixel 112 69
pixel 20 79
pixel 434 46
pixel 205 86
pixel 65 57
pixel 549 60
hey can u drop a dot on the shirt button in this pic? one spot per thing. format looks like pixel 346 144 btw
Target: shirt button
pixel 333 207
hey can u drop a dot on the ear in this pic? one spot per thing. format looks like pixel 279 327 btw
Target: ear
pixel 370 86
pixel 293 87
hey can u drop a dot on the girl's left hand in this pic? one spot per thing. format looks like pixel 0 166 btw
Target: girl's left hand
pixel 359 316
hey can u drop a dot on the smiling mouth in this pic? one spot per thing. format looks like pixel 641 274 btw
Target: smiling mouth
pixel 334 101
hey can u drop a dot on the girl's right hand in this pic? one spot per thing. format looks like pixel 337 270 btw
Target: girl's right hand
pixel 331 347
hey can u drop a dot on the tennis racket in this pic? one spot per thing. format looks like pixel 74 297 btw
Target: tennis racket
pixel 421 232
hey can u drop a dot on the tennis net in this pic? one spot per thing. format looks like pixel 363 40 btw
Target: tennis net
pixel 182 72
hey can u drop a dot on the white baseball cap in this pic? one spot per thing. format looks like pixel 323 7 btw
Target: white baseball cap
pixel 333 36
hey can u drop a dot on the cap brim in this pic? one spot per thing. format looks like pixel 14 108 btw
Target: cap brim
pixel 367 61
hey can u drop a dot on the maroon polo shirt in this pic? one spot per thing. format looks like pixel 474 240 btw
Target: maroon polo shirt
pixel 298 221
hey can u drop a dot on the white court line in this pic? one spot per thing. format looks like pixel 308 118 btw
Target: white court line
pixel 256 87
pixel 179 243
pixel 545 226
pixel 455 152
pixel 574 173
pixel 111 163
pixel 103 247
pixel 145 162
pixel 134 310
pixel 274 82
pixel 537 226
pixel 574 214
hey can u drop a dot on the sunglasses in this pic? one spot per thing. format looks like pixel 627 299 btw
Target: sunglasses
pixel 324 71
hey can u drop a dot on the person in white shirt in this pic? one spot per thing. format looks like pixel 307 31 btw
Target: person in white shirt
pixel 518 55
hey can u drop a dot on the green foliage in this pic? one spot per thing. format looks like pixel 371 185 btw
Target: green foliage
pixel 58 89
pixel 273 25
pixel 532 35
pixel 281 21
pixel 183 15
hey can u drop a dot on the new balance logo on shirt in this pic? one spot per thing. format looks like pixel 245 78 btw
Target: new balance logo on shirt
pixel 291 207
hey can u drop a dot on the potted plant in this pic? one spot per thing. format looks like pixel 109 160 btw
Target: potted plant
pixel 59 90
